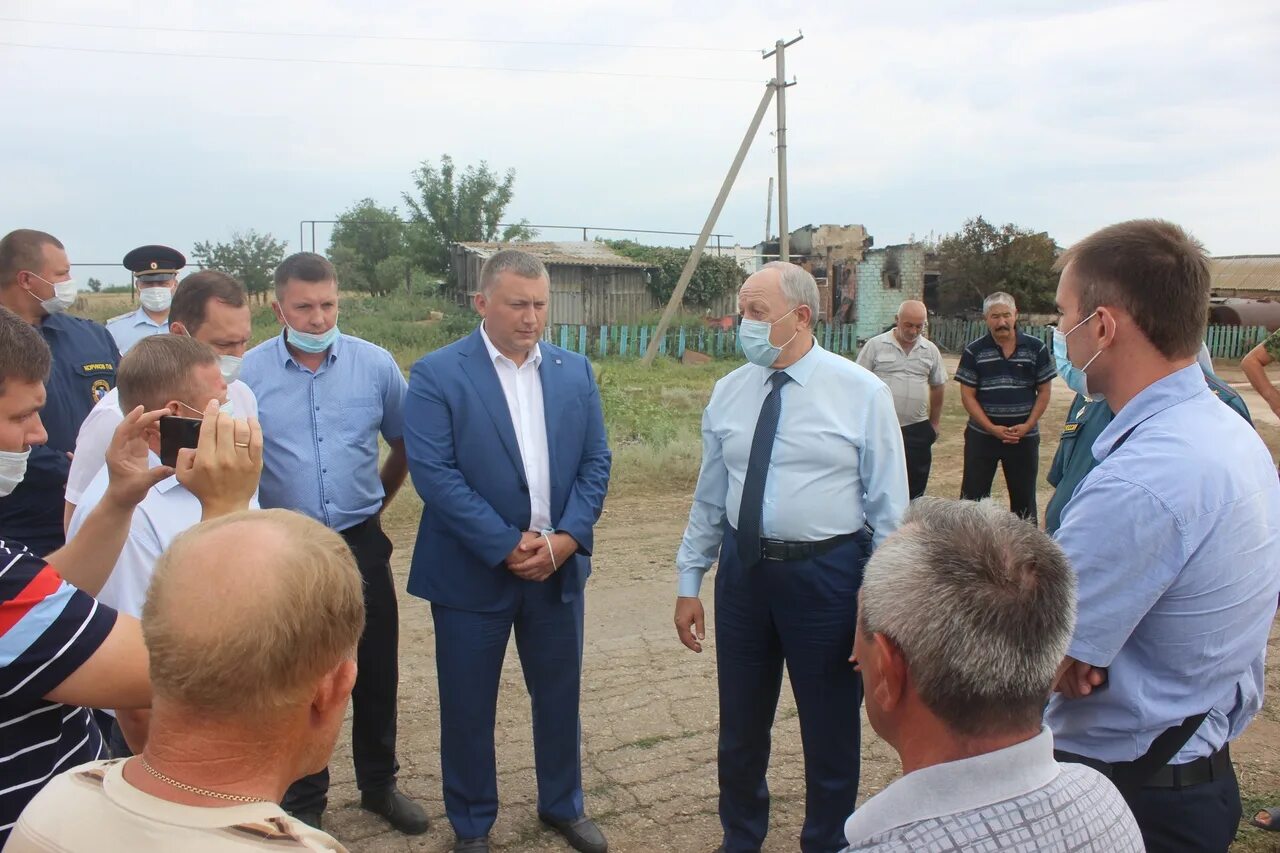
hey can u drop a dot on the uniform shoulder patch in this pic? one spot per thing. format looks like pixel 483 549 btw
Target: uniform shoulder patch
pixel 120 317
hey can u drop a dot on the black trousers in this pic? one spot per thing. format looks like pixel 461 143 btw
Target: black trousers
pixel 1021 463
pixel 917 440
pixel 373 700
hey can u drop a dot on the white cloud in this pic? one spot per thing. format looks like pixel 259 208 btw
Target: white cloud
pixel 908 117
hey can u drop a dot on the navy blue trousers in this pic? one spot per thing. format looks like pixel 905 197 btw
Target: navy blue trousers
pixel 800 613
pixel 1200 819
pixel 470 648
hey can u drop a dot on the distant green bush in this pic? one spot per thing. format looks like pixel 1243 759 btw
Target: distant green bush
pixel 713 277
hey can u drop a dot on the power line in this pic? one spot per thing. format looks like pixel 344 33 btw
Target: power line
pixel 436 39
pixel 376 63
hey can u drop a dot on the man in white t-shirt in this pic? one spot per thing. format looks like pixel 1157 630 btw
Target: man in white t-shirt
pixel 211 307
pixel 252 664
pixel 179 374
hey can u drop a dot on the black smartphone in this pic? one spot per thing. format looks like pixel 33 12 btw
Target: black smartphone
pixel 176 433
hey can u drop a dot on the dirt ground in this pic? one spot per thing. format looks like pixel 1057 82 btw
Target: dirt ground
pixel 649 711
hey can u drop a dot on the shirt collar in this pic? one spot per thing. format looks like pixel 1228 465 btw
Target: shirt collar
pixel 957 786
pixel 800 372
pixel 1177 387
pixel 494 355
pixel 141 318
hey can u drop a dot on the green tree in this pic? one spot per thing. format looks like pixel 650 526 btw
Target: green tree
pixel 449 207
pixel 250 257
pixel 982 259
pixel 365 236
pixel 94 285
pixel 713 277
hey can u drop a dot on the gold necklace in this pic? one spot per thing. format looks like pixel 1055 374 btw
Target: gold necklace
pixel 192 789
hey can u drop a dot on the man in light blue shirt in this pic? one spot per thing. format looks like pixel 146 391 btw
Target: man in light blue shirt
pixel 324 397
pixel 1174 539
pixel 802 471
pixel 155 274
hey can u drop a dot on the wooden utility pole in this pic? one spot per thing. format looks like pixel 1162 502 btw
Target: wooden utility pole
pixel 776 86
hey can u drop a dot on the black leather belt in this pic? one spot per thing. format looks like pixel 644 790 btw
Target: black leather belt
pixel 1198 772
pixel 781 551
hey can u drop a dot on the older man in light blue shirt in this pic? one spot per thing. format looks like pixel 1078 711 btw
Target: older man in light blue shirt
pixel 802 472
pixel 324 398
pixel 1174 539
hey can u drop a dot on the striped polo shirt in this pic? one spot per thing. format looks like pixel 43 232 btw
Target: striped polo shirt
pixel 1006 386
pixel 48 629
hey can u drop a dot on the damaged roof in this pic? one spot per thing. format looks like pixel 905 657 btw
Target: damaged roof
pixel 569 253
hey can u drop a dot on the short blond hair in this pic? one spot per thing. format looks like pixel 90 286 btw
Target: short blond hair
pixel 158 369
pixel 251 630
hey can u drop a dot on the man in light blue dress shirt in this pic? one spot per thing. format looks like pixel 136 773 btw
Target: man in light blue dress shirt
pixel 324 398
pixel 155 275
pixel 802 473
pixel 1174 538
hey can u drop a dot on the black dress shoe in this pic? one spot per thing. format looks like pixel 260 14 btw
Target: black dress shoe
pixel 471 845
pixel 311 819
pixel 582 833
pixel 401 812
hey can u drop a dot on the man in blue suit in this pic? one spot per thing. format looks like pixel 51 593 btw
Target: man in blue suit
pixel 507 446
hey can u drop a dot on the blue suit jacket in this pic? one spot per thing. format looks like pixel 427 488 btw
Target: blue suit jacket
pixel 466 465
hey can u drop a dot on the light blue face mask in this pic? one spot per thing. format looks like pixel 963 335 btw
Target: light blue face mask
pixel 308 342
pixel 756 346
pixel 1075 377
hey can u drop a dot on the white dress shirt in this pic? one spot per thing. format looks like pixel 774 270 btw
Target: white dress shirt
pixel 96 431
pixel 837 460
pixel 522 386
pixel 167 510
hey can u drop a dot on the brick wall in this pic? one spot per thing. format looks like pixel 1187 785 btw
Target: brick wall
pixel 886 277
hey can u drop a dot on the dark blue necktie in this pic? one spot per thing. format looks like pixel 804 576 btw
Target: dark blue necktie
pixel 751 510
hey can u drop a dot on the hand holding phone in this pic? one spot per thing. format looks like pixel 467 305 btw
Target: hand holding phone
pixel 177 432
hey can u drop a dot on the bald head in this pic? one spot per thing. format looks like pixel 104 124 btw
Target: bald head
pixel 246 614
pixel 910 321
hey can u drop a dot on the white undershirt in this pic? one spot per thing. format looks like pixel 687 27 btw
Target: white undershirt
pixel 522 386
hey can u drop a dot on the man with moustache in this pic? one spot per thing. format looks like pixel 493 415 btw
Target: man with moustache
pixel 1005 378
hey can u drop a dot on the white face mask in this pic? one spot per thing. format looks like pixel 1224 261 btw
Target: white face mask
pixel 64 296
pixel 230 367
pixel 13 467
pixel 155 298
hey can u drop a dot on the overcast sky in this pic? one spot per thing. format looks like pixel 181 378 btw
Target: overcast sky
pixel 908 116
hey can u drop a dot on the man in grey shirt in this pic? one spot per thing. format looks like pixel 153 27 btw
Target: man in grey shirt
pixel 963 618
pixel 910 364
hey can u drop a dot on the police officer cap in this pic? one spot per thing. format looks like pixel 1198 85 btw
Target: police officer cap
pixel 154 263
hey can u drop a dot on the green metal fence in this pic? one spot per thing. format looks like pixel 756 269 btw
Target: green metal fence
pixel 1223 341
pixel 950 334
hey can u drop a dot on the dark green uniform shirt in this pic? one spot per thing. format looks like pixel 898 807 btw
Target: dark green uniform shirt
pixel 1085 421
